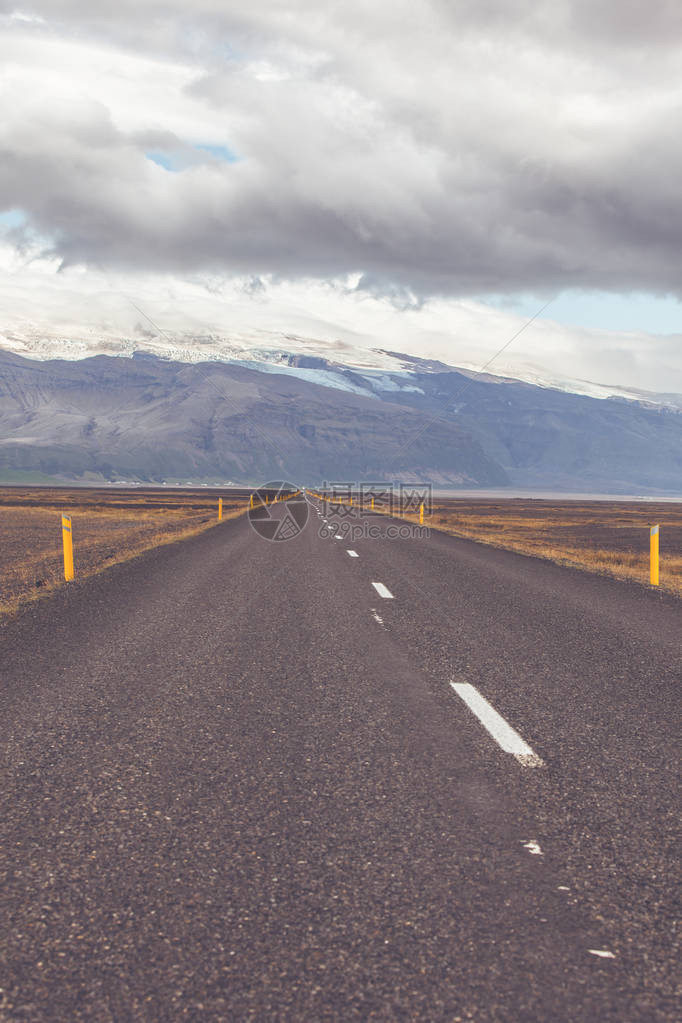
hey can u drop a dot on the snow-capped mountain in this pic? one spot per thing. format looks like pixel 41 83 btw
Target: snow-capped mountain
pixel 254 408
pixel 328 363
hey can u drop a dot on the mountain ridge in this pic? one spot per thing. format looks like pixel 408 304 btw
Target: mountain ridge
pixel 281 352
pixel 150 419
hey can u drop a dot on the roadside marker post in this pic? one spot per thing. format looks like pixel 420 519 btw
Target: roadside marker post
pixel 220 509
pixel 421 514
pixel 67 539
pixel 372 504
pixel 251 501
pixel 653 555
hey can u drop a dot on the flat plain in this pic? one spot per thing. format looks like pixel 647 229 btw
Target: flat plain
pixel 606 537
pixel 109 526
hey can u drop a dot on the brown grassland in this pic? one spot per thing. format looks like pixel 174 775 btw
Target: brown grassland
pixel 608 537
pixel 109 526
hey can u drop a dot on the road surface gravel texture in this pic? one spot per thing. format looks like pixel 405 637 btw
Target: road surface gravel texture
pixel 238 784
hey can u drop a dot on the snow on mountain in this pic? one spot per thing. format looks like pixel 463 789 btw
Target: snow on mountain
pixel 322 362
pixel 325 362
pixel 586 388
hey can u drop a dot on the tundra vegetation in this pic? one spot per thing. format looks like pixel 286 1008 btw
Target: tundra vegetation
pixel 608 537
pixel 109 526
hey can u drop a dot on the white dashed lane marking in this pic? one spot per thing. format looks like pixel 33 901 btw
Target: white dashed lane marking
pixel 383 591
pixel 503 734
pixel 352 554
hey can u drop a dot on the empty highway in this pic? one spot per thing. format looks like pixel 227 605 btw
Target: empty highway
pixel 343 778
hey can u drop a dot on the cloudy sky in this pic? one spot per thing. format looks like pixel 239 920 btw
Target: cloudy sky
pixel 428 173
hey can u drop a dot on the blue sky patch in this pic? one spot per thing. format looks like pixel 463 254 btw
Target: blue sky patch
pixel 653 314
pixel 164 160
pixel 12 218
pixel 177 160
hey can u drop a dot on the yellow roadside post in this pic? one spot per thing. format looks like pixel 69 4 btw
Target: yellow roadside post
pixel 267 499
pixel 372 504
pixel 220 509
pixel 421 514
pixel 351 500
pixel 251 505
pixel 653 551
pixel 67 538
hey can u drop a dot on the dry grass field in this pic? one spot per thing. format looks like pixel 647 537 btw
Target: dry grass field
pixel 109 526
pixel 600 536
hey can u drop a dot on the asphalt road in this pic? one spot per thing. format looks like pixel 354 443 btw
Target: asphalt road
pixel 237 783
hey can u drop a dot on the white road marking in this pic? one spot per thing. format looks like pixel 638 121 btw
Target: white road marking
pixel 377 617
pixel 601 952
pixel 503 734
pixel 352 554
pixel 563 888
pixel 383 591
pixel 533 848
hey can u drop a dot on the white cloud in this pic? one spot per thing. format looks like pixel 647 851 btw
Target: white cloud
pixel 437 148
pixel 95 311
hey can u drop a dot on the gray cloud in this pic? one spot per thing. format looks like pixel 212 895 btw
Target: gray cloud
pixel 445 147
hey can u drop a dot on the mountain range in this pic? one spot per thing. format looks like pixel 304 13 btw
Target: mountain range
pixel 181 410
